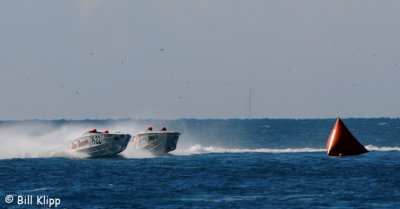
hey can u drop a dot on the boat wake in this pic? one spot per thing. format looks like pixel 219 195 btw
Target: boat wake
pixel 381 149
pixel 193 150
pixel 199 149
pixel 45 140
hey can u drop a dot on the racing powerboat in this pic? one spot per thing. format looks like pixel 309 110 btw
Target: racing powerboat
pixel 99 144
pixel 156 142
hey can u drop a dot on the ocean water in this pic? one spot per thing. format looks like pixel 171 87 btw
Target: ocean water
pixel 260 163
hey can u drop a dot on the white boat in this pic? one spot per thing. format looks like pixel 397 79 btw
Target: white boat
pixel 99 144
pixel 156 142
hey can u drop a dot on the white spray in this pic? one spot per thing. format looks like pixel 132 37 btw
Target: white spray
pixel 44 139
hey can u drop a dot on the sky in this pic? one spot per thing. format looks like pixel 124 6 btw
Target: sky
pixel 170 59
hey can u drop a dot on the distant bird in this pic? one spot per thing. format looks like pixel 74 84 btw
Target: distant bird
pixel 162 49
pixel 77 93
pixel 122 62
pixel 180 97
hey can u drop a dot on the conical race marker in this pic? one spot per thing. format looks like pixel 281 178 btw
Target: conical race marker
pixel 341 142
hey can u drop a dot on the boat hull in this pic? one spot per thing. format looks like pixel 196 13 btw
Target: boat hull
pixel 157 143
pixel 95 145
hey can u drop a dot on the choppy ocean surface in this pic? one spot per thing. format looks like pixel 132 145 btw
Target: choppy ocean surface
pixel 263 163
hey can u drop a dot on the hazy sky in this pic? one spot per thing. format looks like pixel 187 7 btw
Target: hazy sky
pixel 197 59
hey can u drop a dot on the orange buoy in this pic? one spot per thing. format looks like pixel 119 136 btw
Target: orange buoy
pixel 341 142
